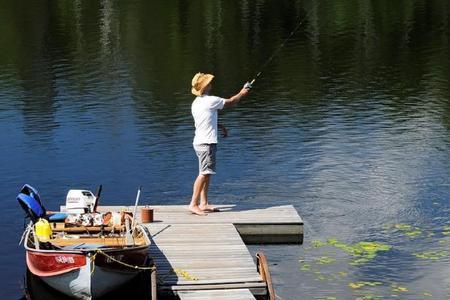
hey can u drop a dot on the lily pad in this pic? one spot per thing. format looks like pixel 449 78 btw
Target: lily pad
pixel 402 227
pixel 324 260
pixel 399 288
pixel 360 284
pixel 305 267
pixel 363 251
pixel 413 233
pixel 431 255
pixel 317 243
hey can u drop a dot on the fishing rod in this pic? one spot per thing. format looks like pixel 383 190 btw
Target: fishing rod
pixel 249 84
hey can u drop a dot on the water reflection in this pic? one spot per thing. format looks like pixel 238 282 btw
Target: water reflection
pixel 138 288
pixel 350 123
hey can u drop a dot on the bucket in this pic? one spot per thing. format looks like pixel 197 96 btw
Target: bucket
pixel 43 230
pixel 146 215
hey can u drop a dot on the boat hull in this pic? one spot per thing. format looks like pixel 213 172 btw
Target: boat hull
pixel 86 275
pixel 81 285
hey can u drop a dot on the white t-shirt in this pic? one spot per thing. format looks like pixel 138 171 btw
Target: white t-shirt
pixel 204 110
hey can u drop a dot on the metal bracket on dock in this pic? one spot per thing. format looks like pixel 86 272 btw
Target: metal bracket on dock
pixel 262 267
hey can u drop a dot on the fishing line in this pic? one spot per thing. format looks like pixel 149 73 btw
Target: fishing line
pixel 277 50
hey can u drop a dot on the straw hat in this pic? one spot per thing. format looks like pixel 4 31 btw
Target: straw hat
pixel 200 82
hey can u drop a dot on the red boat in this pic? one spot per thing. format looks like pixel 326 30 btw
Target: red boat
pixel 84 262
pixel 87 266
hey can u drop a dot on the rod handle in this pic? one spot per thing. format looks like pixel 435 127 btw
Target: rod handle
pixel 248 84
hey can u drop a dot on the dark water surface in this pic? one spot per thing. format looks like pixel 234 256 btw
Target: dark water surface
pixel 350 124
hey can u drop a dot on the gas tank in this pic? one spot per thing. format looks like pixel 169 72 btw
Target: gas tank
pixel 43 230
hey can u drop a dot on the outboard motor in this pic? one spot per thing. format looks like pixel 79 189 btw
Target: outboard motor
pixel 30 201
pixel 80 201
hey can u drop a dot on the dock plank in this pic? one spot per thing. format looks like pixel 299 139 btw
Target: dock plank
pixel 232 294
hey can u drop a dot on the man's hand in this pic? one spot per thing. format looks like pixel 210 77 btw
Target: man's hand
pixel 223 130
pixel 244 91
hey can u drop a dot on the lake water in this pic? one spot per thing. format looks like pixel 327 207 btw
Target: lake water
pixel 350 123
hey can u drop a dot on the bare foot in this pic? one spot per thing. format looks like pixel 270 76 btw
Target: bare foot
pixel 197 211
pixel 208 207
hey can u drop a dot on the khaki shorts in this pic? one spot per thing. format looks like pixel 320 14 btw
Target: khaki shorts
pixel 206 154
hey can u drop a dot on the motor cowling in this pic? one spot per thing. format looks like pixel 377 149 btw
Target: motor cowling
pixel 80 201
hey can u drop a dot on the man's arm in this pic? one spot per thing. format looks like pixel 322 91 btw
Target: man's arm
pixel 235 99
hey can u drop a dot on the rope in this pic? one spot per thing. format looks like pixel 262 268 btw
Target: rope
pixel 121 262
pixel 184 274
pixel 92 260
pixel 179 272
pixel 25 232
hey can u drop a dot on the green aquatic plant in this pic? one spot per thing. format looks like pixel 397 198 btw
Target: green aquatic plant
pixel 398 288
pixel 432 255
pixel 342 274
pixel 305 267
pixel 360 284
pixel 369 297
pixel 324 260
pixel 317 243
pixel 413 233
pixel 321 277
pixel 340 245
pixel 372 247
pixel 406 229
pixel 446 230
pixel 363 251
pixel 403 227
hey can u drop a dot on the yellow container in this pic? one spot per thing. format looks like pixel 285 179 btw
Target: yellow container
pixel 43 230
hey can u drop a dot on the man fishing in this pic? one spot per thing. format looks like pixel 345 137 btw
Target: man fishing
pixel 204 110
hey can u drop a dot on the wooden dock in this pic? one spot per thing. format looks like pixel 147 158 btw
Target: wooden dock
pixel 256 224
pixel 205 257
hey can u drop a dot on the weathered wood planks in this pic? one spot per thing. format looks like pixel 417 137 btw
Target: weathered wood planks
pixel 275 224
pixel 231 294
pixel 205 257
pixel 204 260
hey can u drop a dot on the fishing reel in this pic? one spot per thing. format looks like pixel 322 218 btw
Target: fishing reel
pixel 248 85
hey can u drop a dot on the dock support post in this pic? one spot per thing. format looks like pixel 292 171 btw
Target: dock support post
pixel 153 283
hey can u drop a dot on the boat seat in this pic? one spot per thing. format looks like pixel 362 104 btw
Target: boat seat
pixel 97 241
